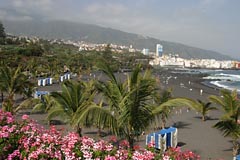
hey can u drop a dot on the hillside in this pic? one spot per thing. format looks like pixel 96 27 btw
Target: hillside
pixel 97 34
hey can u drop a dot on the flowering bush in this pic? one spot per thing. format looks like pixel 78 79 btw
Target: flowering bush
pixel 27 140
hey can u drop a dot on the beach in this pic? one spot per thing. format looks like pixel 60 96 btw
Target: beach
pixel 193 133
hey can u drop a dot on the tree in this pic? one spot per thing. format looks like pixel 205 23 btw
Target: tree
pixel 231 129
pixel 13 81
pixel 2 34
pixel 131 106
pixel 162 98
pixel 2 31
pixel 71 102
pixel 200 106
pixel 229 103
pixel 228 124
pixel 203 108
pixel 128 112
pixel 44 104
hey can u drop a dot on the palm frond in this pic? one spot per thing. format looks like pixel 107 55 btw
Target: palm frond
pixel 228 128
pixel 100 116
pixel 172 103
pixel 27 104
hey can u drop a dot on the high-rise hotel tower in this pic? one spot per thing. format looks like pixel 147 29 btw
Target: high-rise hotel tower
pixel 159 50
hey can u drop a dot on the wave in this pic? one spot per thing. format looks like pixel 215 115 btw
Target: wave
pixel 224 76
pixel 225 86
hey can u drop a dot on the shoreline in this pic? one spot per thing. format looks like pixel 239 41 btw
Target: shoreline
pixel 193 133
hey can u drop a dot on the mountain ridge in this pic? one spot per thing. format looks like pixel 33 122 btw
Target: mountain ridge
pixel 97 34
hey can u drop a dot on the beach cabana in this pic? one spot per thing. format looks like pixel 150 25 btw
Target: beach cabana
pixel 163 139
pixel 44 82
pixel 172 137
pixel 61 78
pixel 238 157
pixel 39 94
pixel 49 81
pixel 150 138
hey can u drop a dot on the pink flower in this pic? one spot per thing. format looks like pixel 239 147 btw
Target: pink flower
pixel 110 157
pixel 151 145
pixel 124 143
pixel 37 142
pixel 113 139
pixel 166 157
pixel 10 119
pixel 25 117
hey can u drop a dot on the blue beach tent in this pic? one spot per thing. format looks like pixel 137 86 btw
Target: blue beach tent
pixel 238 157
pixel 39 94
pixel 150 138
pixel 164 138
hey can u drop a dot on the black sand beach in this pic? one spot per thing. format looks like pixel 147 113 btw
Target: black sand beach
pixel 193 133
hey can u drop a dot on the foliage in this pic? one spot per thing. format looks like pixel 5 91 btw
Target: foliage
pixel 129 104
pixel 228 124
pixel 27 140
pixel 31 50
pixel 2 34
pixel 13 82
pixel 160 99
pixel 203 108
pixel 229 103
pixel 71 102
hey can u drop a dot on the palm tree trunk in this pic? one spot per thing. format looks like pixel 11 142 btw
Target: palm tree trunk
pixel 131 142
pixel 2 96
pixel 79 130
pixel 235 149
pixel 99 131
pixel 203 118
pixel 8 103
pixel 163 122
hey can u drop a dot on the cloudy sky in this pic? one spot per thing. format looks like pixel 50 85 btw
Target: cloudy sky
pixel 207 24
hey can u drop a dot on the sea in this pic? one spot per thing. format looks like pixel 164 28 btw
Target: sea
pixel 226 79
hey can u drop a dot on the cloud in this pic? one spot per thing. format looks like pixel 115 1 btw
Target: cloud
pixel 17 10
pixel 106 9
pixel 33 4
pixel 7 14
pixel 212 2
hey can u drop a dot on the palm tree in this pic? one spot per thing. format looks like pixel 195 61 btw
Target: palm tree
pixel 203 108
pixel 13 82
pixel 129 104
pixel 228 124
pixel 71 102
pixel 31 66
pixel 44 104
pixel 161 98
pixel 230 104
pixel 231 129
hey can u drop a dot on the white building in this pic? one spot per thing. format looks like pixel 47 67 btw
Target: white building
pixel 159 50
pixel 145 51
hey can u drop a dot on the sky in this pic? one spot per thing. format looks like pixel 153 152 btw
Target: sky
pixel 207 24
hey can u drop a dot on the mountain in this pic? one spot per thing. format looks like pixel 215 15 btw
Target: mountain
pixel 97 34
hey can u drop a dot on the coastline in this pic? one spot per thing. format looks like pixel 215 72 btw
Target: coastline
pixel 193 133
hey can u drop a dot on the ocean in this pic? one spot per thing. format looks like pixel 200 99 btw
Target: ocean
pixel 227 79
